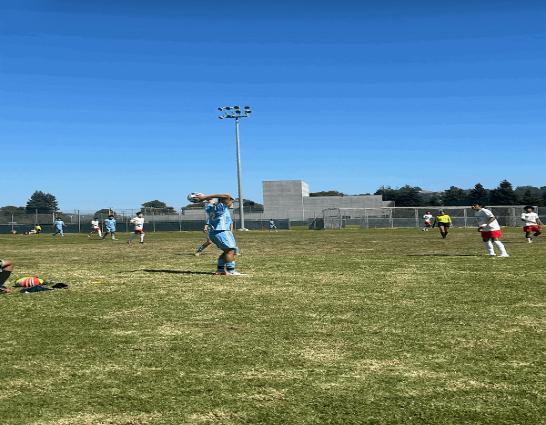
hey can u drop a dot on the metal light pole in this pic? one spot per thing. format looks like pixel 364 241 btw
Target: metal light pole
pixel 236 112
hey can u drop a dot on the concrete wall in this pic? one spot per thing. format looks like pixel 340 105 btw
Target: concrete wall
pixel 290 199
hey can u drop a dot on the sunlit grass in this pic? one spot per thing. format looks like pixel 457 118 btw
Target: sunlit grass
pixel 381 326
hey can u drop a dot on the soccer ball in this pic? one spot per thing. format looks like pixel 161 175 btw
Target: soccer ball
pixel 194 197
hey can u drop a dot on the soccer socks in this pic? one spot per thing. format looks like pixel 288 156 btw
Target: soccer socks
pixel 230 267
pixel 201 248
pixel 142 238
pixel 489 247
pixel 221 265
pixel 501 247
pixel 132 237
pixel 4 277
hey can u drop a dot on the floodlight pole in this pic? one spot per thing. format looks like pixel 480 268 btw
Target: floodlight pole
pixel 241 201
pixel 236 112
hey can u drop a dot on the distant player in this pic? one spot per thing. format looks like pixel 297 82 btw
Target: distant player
pixel 138 221
pixel 490 230
pixel 220 225
pixel 110 223
pixel 428 221
pixel 38 229
pixel 95 227
pixel 207 242
pixel 531 223
pixel 272 225
pixel 443 221
pixel 6 267
pixel 58 225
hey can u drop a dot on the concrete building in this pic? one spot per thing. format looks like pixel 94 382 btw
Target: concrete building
pixel 290 199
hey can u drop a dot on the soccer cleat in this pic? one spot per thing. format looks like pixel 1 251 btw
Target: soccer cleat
pixel 220 273
pixel 236 274
pixel 502 255
pixel 142 243
pixel 197 254
pixel 490 255
pixel 531 241
pixel 129 242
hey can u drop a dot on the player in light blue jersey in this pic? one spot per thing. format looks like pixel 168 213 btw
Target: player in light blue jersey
pixel 219 225
pixel 59 226
pixel 110 223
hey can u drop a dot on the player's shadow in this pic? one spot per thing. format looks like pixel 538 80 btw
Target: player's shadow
pixel 440 255
pixel 165 271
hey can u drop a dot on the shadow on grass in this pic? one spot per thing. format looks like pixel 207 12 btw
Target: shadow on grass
pixel 442 255
pixel 165 271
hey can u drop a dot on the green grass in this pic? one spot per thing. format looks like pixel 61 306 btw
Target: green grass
pixel 379 326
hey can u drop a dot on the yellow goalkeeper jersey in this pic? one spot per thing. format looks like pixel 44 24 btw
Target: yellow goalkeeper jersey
pixel 443 219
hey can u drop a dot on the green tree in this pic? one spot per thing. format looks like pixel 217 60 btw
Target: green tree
pixel 41 202
pixel 408 196
pixel 405 196
pixel 11 210
pixel 530 199
pixel 157 207
pixel 328 193
pixel 478 194
pixel 434 202
pixel 387 192
pixel 104 213
pixel 504 195
pixel 251 206
pixel 454 193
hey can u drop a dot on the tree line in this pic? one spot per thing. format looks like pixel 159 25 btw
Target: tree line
pixel 412 196
pixel 46 203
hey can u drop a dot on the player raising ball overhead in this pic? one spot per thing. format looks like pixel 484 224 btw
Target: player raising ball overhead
pixel 219 221
pixel 490 230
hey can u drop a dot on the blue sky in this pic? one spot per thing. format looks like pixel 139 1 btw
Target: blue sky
pixel 114 103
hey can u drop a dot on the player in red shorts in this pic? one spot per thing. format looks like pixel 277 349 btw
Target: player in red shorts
pixel 531 223
pixel 138 221
pixel 490 230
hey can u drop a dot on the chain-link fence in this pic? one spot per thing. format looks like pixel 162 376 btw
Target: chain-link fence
pixel 79 221
pixel 338 218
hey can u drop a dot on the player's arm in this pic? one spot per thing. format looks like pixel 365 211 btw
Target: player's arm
pixel 540 222
pixel 488 222
pixel 218 195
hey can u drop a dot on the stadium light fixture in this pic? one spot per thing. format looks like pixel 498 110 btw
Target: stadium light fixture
pixel 238 113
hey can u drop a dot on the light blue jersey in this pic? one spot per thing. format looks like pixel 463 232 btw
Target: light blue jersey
pixel 59 224
pixel 219 217
pixel 110 224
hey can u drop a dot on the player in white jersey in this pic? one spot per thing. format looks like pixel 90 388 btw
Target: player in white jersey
pixel 138 221
pixel 428 221
pixel 95 227
pixel 490 230
pixel 531 223
pixel 220 225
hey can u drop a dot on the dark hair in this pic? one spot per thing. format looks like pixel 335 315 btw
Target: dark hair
pixel 528 206
pixel 481 204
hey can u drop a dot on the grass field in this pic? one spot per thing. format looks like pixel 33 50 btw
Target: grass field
pixel 379 326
